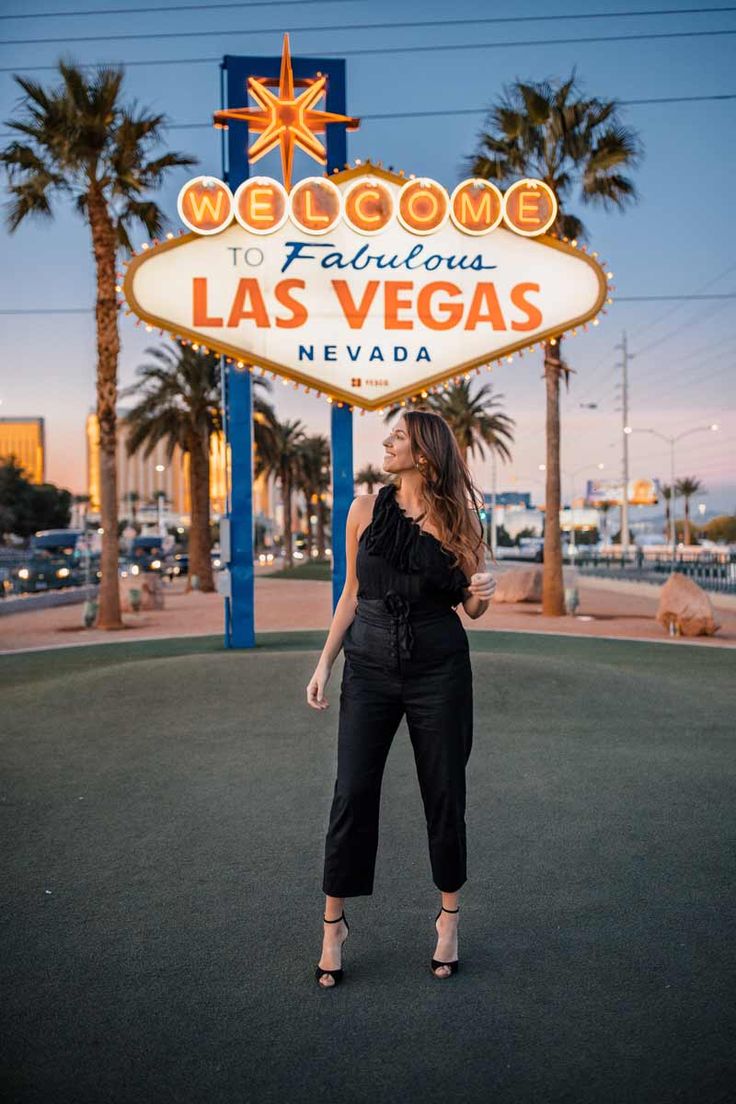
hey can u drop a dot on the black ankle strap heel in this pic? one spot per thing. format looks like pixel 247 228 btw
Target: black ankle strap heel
pixel 335 974
pixel 455 965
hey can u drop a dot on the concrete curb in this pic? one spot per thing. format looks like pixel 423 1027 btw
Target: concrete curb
pixel 47 600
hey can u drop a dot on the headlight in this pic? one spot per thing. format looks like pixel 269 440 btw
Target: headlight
pixel 63 573
pixel 215 563
pixel 24 573
pixel 135 570
pixel 155 564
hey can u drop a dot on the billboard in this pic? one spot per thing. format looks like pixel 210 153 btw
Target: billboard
pixel 641 492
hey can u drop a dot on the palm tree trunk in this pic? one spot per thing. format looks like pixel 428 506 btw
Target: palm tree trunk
pixel 200 562
pixel 553 590
pixel 320 529
pixel 286 497
pixel 687 519
pixel 667 525
pixel 308 492
pixel 108 348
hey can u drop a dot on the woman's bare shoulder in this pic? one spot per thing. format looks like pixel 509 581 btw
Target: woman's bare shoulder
pixel 362 506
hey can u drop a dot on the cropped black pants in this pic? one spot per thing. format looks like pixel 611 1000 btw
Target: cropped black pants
pixel 400 660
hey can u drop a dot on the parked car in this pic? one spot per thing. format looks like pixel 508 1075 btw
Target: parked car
pixel 149 554
pixel 57 559
pixel 179 564
pixel 528 548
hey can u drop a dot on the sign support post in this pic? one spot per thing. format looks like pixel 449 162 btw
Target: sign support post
pixel 343 489
pixel 240 604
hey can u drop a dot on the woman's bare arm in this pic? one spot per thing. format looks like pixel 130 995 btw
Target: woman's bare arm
pixel 482 585
pixel 359 516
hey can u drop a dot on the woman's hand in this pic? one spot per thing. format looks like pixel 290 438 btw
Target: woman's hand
pixel 482 585
pixel 316 686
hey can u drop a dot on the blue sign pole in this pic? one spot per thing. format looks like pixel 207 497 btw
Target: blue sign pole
pixel 240 605
pixel 342 492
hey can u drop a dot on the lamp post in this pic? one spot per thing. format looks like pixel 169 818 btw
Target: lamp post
pixel 671 441
pixel 159 496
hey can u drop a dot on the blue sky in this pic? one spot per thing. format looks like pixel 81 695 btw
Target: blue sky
pixel 678 240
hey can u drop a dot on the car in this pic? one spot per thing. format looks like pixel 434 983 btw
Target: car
pixel 58 558
pixel 148 553
pixel 178 564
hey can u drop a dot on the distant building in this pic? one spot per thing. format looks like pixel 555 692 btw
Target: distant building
pixel 139 482
pixel 511 498
pixel 23 438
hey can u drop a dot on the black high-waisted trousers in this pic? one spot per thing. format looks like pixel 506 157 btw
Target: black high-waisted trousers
pixel 400 660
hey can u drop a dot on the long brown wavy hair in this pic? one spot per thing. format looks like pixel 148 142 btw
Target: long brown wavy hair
pixel 449 492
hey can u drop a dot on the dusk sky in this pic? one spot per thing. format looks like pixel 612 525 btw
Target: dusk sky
pixel 678 240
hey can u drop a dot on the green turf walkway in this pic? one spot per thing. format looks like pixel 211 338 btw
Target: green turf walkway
pixel 163 812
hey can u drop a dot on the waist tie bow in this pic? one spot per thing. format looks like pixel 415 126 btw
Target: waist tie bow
pixel 399 608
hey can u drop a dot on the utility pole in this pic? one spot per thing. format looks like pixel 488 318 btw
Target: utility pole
pixel 626 356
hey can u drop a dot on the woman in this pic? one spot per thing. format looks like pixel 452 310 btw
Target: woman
pixel 414 551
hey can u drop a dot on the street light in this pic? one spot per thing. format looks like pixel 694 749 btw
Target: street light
pixel 159 504
pixel 671 442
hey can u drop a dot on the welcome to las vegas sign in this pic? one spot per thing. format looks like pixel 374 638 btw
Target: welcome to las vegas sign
pixel 364 285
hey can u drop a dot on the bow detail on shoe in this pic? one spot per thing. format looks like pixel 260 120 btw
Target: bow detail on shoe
pixel 399 607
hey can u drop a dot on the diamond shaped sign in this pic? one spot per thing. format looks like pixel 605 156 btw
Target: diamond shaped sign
pixel 341 288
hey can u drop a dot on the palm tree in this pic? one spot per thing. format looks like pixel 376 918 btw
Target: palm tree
pixel 368 477
pixel 82 143
pixel 474 419
pixel 686 488
pixel 180 405
pixel 548 131
pixel 279 454
pixel 314 480
pixel 667 496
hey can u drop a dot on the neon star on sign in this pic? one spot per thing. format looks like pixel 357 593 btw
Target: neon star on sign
pixel 286 120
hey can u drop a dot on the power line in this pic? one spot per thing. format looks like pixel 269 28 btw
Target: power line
pixel 384 51
pixel 50 310
pixel 372 116
pixel 308 29
pixel 704 362
pixel 183 7
pixel 596 387
pixel 678 329
pixel 666 385
pixel 302 3
pixel 704 287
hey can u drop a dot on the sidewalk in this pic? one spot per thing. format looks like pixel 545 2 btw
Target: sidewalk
pixel 607 608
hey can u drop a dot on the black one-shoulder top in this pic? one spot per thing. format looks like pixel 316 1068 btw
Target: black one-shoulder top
pixel 396 554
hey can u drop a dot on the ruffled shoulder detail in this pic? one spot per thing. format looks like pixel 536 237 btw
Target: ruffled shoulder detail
pixel 392 534
pixel 403 544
